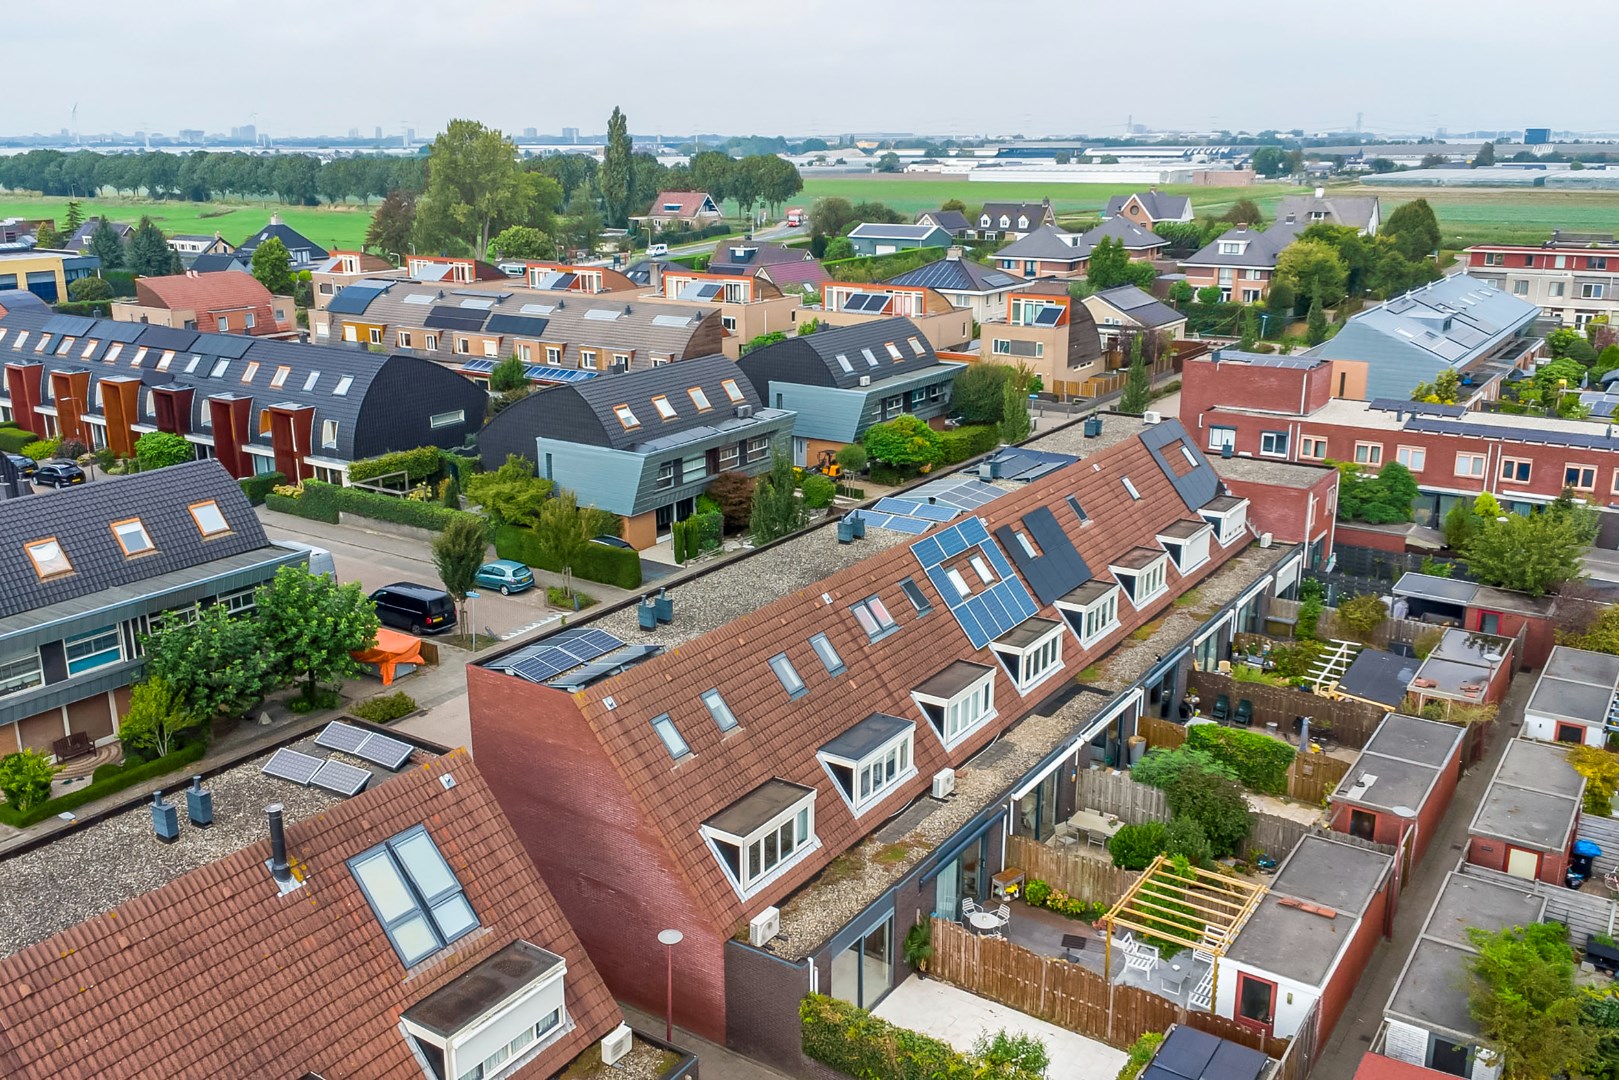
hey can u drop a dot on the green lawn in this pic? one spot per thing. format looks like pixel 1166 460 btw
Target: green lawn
pixel 343 227
pixel 910 193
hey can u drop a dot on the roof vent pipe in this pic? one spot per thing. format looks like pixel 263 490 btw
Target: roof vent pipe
pixel 199 804
pixel 165 819
pixel 279 867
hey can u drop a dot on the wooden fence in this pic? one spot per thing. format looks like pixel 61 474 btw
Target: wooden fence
pixel 1352 722
pixel 1087 877
pixel 1390 630
pixel 1311 777
pixel 1583 911
pixel 1069 995
pixel 1117 794
pixel 1604 832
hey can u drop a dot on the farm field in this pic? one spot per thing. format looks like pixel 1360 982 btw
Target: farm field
pixel 342 227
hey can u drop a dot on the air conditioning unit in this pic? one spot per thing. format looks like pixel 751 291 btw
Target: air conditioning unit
pixel 865 380
pixel 764 926
pixel 616 1044
pixel 944 783
pixel 1265 540
pixel 1152 416
pixel 744 411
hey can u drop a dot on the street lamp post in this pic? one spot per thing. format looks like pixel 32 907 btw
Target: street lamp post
pixel 472 616
pixel 669 939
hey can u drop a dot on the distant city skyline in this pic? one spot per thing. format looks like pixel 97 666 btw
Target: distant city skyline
pixel 810 68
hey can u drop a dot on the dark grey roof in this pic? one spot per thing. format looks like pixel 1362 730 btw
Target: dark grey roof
pixel 289 236
pixel 1533 799
pixel 80 520
pixel 1195 481
pixel 867 736
pixel 1354 211
pixel 476 991
pixel 1379 676
pixel 819 353
pixel 742 256
pixel 1190 1054
pixel 874 230
pixel 80 240
pixel 1126 232
pixel 1036 212
pixel 757 807
pixel 14 300
pixel 1260 248
pixel 1159 207
pixel 213 263
pixel 1140 306
pixel 1046 242
pixel 957 275
pixel 952 221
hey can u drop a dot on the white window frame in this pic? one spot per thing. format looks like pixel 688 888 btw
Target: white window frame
pixel 328 434
pixel 1229 524
pixel 546 1026
pixel 1580 468
pixel 1155 575
pixel 1474 465
pixel 965 713
pixel 801 814
pixel 877 775
pixel 1222 435
pixel 20 673
pixel 1267 443
pixel 788 676
pixel 1095 620
pixel 1034 663
pixel 1592 290
pixel 1194 549
pixel 1374 453
pixel 1414 458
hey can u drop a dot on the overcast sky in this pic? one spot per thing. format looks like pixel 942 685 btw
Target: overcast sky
pixel 810 66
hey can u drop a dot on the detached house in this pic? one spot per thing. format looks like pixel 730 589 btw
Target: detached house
pixel 643 445
pixel 843 380
pixel 190 245
pixel 93 568
pixel 873 238
pixel 79 241
pixel 1013 221
pixel 223 303
pixel 1363 213
pixel 943 324
pixel 1241 261
pixel 1049 252
pixel 981 290
pixel 1148 208
pixel 302 252
pixel 1128 307
pixel 693 208
pixel 953 222
pixel 1051 332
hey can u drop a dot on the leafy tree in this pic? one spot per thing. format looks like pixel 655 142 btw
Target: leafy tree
pixel 1315 325
pixel 1159 767
pixel 565 527
pixel 509 374
pixel 1243 212
pixel 878 212
pixel 106 245
pixel 216 665
pixel 818 491
pixel 160 449
pixel 272 266
pixel 1181 293
pixel 1602 635
pixel 734 492
pixel 1250 329
pixel 46 237
pixel 839 247
pixel 1525 1003
pixel 149 254
pixel 1532 554
pixel 86 289
pixel 1215 803
pixel 1413 229
pixel 761 340
pixel 1135 846
pixel 1210 294
pixel 1379 499
pixel 903 441
pixel 1014 425
pixel 310 624
pixel 1110 266
pixel 830 216
pixel 1444 390
pixel 1360 616
pixel 852 457
pixel 889 163
pixel 1601 771
pixel 1280 298
pixel 1270 161
pixel 458 551
pixel 1485 156
pixel 1184 836
pixel 1461 524
pixel 1606 361
pixel 1137 392
pixel 522 242
pixel 25 778
pixel 979 393
pixel 394 221
pixel 616 178
pixel 1313 269
pixel 511 494
pixel 954 204
pixel 776 510
pixel 157 716
pixel 473 186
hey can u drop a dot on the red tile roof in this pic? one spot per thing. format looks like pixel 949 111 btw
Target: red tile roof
pixel 690 203
pixel 215 974
pixel 210 293
pixel 1378 1067
pixel 778 737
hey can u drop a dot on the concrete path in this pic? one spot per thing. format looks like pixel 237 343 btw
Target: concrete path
pixel 946 1012
pixel 1353 1036
pixel 714 1061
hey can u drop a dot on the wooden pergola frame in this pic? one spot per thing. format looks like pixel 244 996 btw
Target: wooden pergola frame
pixel 1223 903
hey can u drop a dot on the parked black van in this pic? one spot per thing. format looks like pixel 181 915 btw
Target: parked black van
pixel 421 609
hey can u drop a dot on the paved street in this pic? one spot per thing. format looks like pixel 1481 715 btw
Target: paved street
pixel 1364 1014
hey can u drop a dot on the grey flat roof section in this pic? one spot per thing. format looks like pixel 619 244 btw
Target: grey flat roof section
pixel 757 807
pixel 1532 801
pixel 1384 783
pixel 1422 742
pixel 498 977
pixel 1539 766
pixel 1429 587
pixel 1088 593
pixel 953 679
pixel 866 736
pixel 1340 874
pixel 1566 700
pixel 1138 558
pixel 1579 665
pixel 1379 676
pixel 1027 633
pixel 1184 530
pixel 1291 943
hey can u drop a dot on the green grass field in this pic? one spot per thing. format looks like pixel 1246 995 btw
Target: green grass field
pixel 343 227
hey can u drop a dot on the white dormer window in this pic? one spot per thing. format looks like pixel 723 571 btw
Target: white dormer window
pixel 756 839
pixel 1092 610
pixel 1187 543
pixel 1143 575
pixel 1233 247
pixel 958 700
pixel 1022 221
pixel 503 1015
pixel 1030 652
pixel 1228 516
pixel 870 760
pixel 1006 222
pixel 983 222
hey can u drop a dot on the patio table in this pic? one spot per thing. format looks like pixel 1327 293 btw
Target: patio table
pixel 983 922
pixel 1174 979
pixel 1096 824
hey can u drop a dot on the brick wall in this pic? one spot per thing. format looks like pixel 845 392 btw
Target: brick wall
pixel 1345 977
pixel 763 992
pixel 615 882
pixel 1206 384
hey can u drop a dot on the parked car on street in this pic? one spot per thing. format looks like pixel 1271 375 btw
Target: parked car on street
pixel 57 473
pixel 507 575
pixel 611 541
pixel 420 609
pixel 25 464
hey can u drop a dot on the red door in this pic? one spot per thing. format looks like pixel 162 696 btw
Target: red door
pixel 1256 1003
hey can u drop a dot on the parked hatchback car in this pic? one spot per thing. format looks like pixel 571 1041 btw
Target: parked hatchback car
pixel 421 609
pixel 25 464
pixel 507 575
pixel 57 473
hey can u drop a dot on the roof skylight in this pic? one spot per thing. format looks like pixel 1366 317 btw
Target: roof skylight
pixel 210 521
pixel 48 557
pixel 414 895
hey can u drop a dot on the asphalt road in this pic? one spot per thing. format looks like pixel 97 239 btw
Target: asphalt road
pixel 378 559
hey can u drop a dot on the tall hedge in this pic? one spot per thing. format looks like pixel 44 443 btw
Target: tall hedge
pixel 1260 762
pixel 857 1044
pixel 321 501
pixel 420 464
pixel 13 439
pixel 256 488
pixel 969 440
pixel 598 562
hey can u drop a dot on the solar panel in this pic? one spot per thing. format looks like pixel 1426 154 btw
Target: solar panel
pixel 521 325
pixel 233 346
pixel 1416 408
pixel 353 299
pixel 450 317
pixel 1048 316
pixel 483 367
pixel 340 777
pixel 563 652
pixel 546 373
pixel 287 764
pixel 1593 441
pixel 340 736
pixel 896 522
pixel 989 612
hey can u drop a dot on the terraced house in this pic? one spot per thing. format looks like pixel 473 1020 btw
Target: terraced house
pixel 257 405
pixel 815 701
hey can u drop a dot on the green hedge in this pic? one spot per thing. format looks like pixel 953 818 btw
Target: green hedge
pixel 1261 762
pixel 122 281
pixel 420 464
pixel 608 565
pixel 106 782
pixel 969 440
pixel 857 1044
pixel 12 439
pixel 92 308
pixel 257 487
pixel 323 502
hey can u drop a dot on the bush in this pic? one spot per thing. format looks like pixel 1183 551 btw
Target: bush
pixel 1021 1052
pixel 1213 802
pixel 422 463
pixel 596 562
pixel 106 780
pixel 1260 762
pixel 857 1044
pixel 256 488
pixel 1184 836
pixel 890 475
pixel 95 309
pixel 1134 847
pixel 818 491
pixel 1360 616
pixel 40 449
pixel 852 457
pixel 321 501
pixel 1160 766
pixel 386 707
pixel 25 779
pixel 967 441
pixel 13 440
pixel 1141 1051
pixel 558 597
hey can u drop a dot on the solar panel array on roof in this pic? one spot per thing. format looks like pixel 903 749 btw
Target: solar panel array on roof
pixel 924 510
pixel 896 522
pixel 231 346
pixel 1593 441
pixel 354 299
pixel 373 746
pixel 561 652
pixel 547 373
pixel 516 325
pixel 555 279
pixel 287 764
pixel 1055 566
pixel 1048 316
pixel 340 777
pixel 1416 408
pixel 164 337
pixel 963 492
pixel 872 303
pixel 74 325
pixel 609 664
pixel 454 317
pixel 479 366
pixel 700 290
pixel 993 609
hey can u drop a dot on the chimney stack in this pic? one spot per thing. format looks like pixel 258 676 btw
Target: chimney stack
pixel 953 253
pixel 280 869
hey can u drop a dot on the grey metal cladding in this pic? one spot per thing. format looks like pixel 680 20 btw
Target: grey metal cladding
pixel 1197 486
pixel 81 520
pixel 1059 568
pixel 812 360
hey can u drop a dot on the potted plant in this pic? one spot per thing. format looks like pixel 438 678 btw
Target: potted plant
pixel 919 947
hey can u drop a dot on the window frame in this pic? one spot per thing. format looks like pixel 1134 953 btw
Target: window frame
pixel 1405 455
pixel 139 527
pixel 954 725
pixel 781 665
pixel 423 906
pixel 43 567
pixel 1527 470
pixel 1271 437
pixel 732 391
pixel 919 600
pixel 110 650
pixel 673 741
pixel 1574 466
pixel 1047 646
pixel 1093 626
pixel 827 653
pixel 1156 571
pixel 801 814
pixel 721 712
pixel 1480 460
pixel 664 407
pixel 877 775
pixel 1374 453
